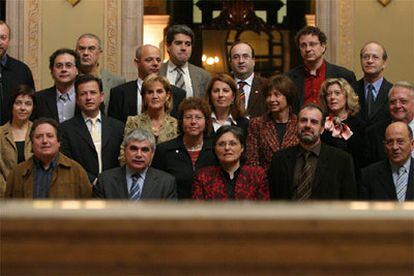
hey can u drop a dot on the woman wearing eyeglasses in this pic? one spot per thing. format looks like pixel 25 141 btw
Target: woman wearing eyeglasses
pixel 231 179
pixel 190 151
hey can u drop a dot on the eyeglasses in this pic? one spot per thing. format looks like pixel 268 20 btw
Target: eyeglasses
pixel 68 65
pixel 197 118
pixel 231 144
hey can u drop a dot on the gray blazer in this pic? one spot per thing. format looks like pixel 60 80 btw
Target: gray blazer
pixel 109 81
pixel 157 185
pixel 200 78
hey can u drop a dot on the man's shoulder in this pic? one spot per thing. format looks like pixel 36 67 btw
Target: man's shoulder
pixel 378 127
pixel 122 88
pixel 283 153
pixel 69 123
pixel 375 168
pixel 69 163
pixel 300 69
pixel 169 145
pixel 46 92
pixel 16 64
pixel 198 70
pixel 112 172
pixel 110 77
pixel 341 71
pixel 334 153
pixel 113 122
pixel 160 174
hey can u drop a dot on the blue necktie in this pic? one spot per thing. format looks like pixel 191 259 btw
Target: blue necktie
pixel 401 184
pixel 135 192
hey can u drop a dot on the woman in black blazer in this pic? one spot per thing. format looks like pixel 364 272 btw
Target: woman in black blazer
pixel 190 151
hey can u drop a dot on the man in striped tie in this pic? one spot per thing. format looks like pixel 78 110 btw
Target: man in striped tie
pixel 393 178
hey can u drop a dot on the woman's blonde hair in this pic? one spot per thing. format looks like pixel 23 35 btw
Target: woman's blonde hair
pixel 352 99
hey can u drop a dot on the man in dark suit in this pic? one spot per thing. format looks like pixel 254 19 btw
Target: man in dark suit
pixel 194 80
pixel 251 86
pixel 126 98
pixel 311 170
pixel 58 102
pixel 401 108
pixel 393 178
pixel 12 73
pixel 373 88
pixel 91 138
pixel 136 180
pixel 309 77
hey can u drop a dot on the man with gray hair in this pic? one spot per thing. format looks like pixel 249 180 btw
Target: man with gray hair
pixel 136 180
pixel 89 48
pixel 401 108
pixel 194 80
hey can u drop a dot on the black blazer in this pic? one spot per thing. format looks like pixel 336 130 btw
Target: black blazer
pixel 297 75
pixel 112 184
pixel 14 73
pixel 172 157
pixel 257 101
pixel 381 105
pixel 77 144
pixel 123 100
pixel 374 145
pixel 334 175
pixel 377 182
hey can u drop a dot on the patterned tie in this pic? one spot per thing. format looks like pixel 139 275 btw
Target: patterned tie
pixel 370 100
pixel 135 192
pixel 241 91
pixel 401 185
pixel 179 81
pixel 96 138
pixel 304 189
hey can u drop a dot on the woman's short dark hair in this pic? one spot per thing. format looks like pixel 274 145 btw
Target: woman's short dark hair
pixel 236 108
pixel 21 90
pixel 285 86
pixel 196 104
pixel 235 130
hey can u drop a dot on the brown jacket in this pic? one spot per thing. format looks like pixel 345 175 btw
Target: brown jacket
pixel 8 153
pixel 69 180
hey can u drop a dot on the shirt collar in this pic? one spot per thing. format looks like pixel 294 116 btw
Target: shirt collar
pixel 376 84
pixel 171 66
pixel 316 150
pixel 53 164
pixel 406 165
pixel 229 118
pixel 248 81
pixel 86 118
pixel 130 172
pixel 139 83
pixel 70 93
pixel 3 60
pixel 318 71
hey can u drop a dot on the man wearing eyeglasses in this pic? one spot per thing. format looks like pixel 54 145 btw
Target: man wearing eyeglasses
pixel 250 85
pixel 89 48
pixel 373 88
pixel 59 101
pixel 309 77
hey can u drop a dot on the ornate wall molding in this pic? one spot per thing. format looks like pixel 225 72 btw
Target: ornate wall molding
pixel 112 36
pixel 14 16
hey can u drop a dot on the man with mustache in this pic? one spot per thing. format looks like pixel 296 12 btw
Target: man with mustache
pixel 136 180
pixel 372 89
pixel 250 85
pixel 12 73
pixel 309 77
pixel 126 99
pixel 58 102
pixel 312 170
pixel 392 178
pixel 194 80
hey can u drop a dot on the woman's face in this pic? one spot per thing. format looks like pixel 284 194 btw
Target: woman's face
pixel 221 95
pixel 155 97
pixel 276 101
pixel 194 122
pixel 336 99
pixel 228 149
pixel 22 108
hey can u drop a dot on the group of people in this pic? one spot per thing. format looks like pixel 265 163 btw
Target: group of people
pixel 178 132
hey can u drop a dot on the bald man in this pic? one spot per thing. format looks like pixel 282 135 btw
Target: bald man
pixel 125 100
pixel 393 178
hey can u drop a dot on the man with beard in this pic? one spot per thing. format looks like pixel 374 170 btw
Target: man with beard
pixel 312 170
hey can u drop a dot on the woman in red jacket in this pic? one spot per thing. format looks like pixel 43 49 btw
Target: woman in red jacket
pixel 232 179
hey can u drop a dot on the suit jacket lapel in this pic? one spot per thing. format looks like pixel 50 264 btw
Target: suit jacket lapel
pixel 195 81
pixel 291 162
pixel 254 93
pixel 385 179
pixel 150 180
pixel 320 168
pixel 381 99
pixel 105 132
pixel 163 69
pixel 51 103
pixel 120 183
pixel 83 131
pixel 410 185
pixel 131 99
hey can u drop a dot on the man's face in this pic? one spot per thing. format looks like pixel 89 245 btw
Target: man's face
pixel 149 63
pixel 45 143
pixel 372 62
pixel 4 39
pixel 180 49
pixel 138 155
pixel 89 51
pixel 242 61
pixel 311 48
pixel 89 98
pixel 402 104
pixel 64 70
pixel 310 126
pixel 398 144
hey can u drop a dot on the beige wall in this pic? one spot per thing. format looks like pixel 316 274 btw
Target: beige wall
pixel 393 26
pixel 61 26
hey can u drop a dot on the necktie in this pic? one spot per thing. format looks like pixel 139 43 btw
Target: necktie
pixel 135 192
pixel 64 97
pixel 401 184
pixel 179 81
pixel 241 91
pixel 304 189
pixel 370 99
pixel 96 138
